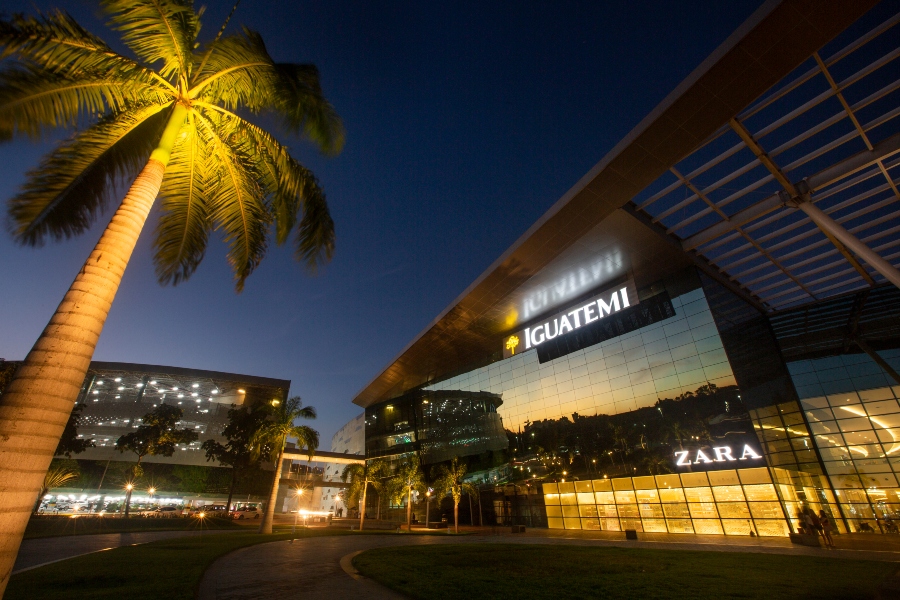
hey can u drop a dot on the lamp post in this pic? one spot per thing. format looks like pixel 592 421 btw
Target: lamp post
pixel 150 492
pixel 128 488
pixel 297 513
pixel 427 508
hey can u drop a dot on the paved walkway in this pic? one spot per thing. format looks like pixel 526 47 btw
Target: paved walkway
pixel 41 551
pixel 312 568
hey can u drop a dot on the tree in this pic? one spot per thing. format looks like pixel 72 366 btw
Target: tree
pixel 404 482
pixel 55 477
pixel 449 480
pixel 69 443
pixel 271 437
pixel 155 436
pixel 360 477
pixel 170 119
pixel 243 423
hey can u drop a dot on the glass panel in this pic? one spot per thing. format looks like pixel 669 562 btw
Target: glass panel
pixel 554 511
pixel 587 510
pixel 593 524
pixel 602 485
pixel 647 495
pixel 655 525
pixel 567 488
pixel 551 499
pixel 651 511
pixel 572 523
pixel 733 510
pixel 750 476
pixel 551 488
pixel 703 494
pixel 610 524
pixel 694 479
pixel 554 523
pixel 585 498
pixel 678 511
pixel 708 526
pixel 622 483
pixel 760 492
pixel 706 510
pixel 671 495
pixel 607 510
pixel 644 483
pixel 736 527
pixel 604 498
pixel 679 526
pixel 570 511
pixel 565 499
pixel 771 528
pixel 668 481
pixel 583 486
pixel 628 510
pixel 728 477
pixel 727 493
pixel 625 497
pixel 632 523
pixel 766 510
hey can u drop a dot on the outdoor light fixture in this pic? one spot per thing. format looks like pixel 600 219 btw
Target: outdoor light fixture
pixel 118 379
pixel 275 402
pixel 153 382
pixel 214 392
pixel 196 385
pixel 195 394
pixel 99 383
pixel 129 487
pixel 174 389
pixel 242 392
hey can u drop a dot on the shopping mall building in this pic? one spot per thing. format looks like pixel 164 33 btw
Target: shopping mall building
pixel 713 308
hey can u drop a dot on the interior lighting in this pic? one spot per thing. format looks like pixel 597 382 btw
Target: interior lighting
pixel 175 389
pixel 181 395
pixel 99 383
pixel 140 385
pixel 121 387
pixel 153 382
pixel 214 392
pixel 118 379
pixel 195 394
pixel 96 392
pixel 196 385
pixel 241 391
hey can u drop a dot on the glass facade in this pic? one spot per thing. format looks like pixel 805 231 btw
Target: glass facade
pixel 620 375
pixel 730 502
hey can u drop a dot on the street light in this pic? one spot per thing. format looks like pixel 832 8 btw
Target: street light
pixel 297 513
pixel 427 508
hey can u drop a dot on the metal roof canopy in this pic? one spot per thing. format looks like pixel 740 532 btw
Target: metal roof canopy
pixel 284 384
pixel 777 39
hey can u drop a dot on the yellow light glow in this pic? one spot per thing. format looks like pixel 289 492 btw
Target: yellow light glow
pixel 201 515
pixel 129 487
pixel 512 343
pixel 242 392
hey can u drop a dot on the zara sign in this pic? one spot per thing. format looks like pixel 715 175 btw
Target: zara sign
pixel 720 454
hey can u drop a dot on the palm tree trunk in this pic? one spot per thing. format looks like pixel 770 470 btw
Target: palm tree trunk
pixel 362 510
pixel 269 515
pixel 37 403
pixel 455 515
pixel 408 509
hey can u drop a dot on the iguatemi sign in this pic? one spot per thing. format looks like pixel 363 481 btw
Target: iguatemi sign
pixel 600 306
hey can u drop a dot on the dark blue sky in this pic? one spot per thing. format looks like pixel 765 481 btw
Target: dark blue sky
pixel 465 122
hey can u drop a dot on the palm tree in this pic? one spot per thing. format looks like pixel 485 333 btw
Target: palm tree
pixel 269 441
pixel 360 477
pixel 405 481
pixel 170 119
pixel 449 480
pixel 55 477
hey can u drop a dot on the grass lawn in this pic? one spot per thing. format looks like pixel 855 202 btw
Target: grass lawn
pixel 555 572
pixel 52 526
pixel 169 569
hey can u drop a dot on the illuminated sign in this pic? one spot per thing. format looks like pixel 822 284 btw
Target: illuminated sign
pixel 720 454
pixel 590 311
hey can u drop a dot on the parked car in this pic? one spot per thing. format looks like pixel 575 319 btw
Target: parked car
pixel 209 510
pixel 163 512
pixel 247 512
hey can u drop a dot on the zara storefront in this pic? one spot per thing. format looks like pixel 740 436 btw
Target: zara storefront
pixel 682 343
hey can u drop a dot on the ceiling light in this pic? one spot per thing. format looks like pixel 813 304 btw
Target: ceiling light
pixel 118 379
pixel 96 392
pixel 140 385
pixel 241 392
pixel 195 394
pixel 153 382
pixel 174 389
pixel 121 387
pixel 181 395
pixel 196 385
pixel 99 383
pixel 215 392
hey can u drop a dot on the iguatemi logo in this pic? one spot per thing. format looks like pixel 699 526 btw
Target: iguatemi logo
pixel 607 303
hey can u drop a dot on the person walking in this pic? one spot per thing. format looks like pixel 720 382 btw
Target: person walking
pixel 827 528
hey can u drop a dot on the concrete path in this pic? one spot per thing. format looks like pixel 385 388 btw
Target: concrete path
pixel 320 568
pixel 41 551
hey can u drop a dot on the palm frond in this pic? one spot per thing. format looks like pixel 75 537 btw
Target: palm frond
pixel 306 436
pixel 56 42
pixel 63 195
pixel 33 99
pixel 292 191
pixel 236 201
pixel 157 30
pixel 240 73
pixel 183 229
